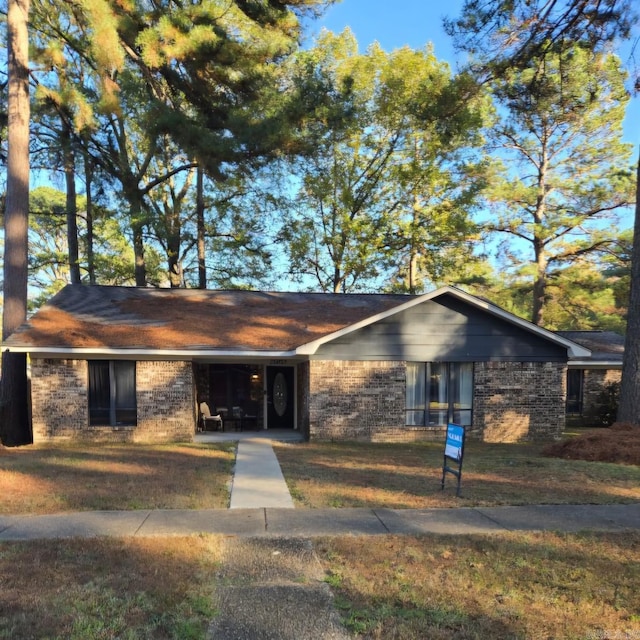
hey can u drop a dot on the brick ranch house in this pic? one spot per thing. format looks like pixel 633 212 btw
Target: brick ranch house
pixel 134 364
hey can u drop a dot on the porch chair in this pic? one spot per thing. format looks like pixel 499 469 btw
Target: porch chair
pixel 206 417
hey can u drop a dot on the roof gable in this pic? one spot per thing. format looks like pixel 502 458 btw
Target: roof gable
pixel 574 349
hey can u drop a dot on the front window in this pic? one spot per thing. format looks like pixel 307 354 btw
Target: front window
pixel 438 393
pixel 112 393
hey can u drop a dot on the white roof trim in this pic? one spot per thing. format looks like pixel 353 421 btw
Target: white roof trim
pixel 574 349
pixel 187 354
pixel 594 364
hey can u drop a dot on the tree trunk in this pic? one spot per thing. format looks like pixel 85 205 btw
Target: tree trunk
pixel 539 284
pixel 202 264
pixel 15 428
pixel 138 250
pixel 88 178
pixel 173 228
pixel 71 205
pixel 629 407
pixel 137 228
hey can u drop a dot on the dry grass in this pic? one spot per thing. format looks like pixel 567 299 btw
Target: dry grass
pixel 533 586
pixel 509 586
pixel 52 479
pixel 408 476
pixel 108 588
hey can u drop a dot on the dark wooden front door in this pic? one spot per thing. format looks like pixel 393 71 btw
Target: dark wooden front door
pixel 280 397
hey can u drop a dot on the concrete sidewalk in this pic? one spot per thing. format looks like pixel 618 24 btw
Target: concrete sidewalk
pixel 309 523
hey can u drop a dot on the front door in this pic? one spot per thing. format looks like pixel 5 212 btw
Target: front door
pixel 280 397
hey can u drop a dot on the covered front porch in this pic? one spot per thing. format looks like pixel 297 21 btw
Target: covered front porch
pixel 250 397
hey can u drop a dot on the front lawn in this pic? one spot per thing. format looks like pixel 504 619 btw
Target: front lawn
pixel 57 478
pixel 401 476
pixel 517 586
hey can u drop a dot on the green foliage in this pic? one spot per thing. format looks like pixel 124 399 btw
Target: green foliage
pixel 386 189
pixel 605 408
pixel 565 170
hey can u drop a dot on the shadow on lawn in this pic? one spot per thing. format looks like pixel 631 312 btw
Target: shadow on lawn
pixel 388 476
pixel 115 588
pixel 54 479
pixel 502 586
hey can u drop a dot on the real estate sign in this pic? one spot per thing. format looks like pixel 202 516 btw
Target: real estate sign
pixel 453 451
pixel 455 441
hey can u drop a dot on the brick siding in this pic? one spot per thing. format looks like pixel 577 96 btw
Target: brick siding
pixel 355 400
pixel 366 400
pixel 164 396
pixel 515 401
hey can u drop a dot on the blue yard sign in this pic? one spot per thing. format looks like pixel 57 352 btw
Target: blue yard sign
pixel 453 452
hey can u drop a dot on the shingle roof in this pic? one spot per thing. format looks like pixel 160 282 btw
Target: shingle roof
pixel 604 345
pixel 82 317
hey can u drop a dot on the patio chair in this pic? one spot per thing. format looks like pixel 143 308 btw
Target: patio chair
pixel 206 417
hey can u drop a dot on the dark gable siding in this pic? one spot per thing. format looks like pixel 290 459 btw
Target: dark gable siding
pixel 446 329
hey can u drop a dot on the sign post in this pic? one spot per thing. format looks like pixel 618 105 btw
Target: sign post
pixel 453 452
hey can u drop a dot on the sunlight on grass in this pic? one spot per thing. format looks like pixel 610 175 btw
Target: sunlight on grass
pixel 51 479
pixel 98 466
pixel 409 476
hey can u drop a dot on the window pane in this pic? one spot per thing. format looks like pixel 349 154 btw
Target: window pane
pixel 438 393
pixel 462 381
pixel 415 393
pixel 415 418
pixel 462 417
pixel 99 392
pixel 125 400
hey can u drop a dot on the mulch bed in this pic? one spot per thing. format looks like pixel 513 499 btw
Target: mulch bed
pixel 618 443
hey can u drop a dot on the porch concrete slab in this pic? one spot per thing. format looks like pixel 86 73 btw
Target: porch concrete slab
pixel 278 435
pixel 439 521
pixel 85 524
pixel 179 522
pixel 323 522
pixel 258 481
pixel 565 517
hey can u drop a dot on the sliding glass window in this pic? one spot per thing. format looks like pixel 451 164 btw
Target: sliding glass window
pixel 438 393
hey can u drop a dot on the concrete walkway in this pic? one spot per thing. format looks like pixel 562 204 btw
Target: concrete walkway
pixel 257 478
pixel 309 523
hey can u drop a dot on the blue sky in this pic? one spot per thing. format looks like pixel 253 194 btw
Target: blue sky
pixel 414 23
pixel 395 24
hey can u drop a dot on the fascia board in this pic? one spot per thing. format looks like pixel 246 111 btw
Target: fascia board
pixel 575 350
pixel 154 354
pixel 594 364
